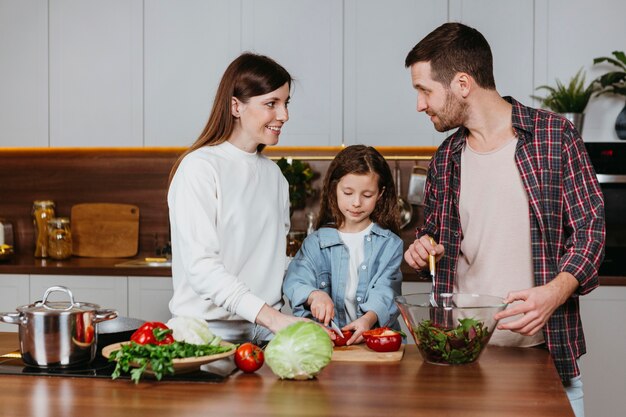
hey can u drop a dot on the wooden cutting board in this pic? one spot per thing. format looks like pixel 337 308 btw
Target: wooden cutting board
pixel 361 353
pixel 105 230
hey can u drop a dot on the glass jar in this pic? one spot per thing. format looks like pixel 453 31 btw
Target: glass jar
pixel 59 238
pixel 43 210
pixel 294 241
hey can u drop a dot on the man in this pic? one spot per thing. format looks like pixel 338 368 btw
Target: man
pixel 511 200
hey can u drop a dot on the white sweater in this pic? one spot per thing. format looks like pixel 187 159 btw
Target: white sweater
pixel 229 215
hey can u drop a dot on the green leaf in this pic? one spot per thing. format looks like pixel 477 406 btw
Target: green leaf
pixel 572 97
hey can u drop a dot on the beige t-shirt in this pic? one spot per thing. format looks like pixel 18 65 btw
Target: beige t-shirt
pixel 496 255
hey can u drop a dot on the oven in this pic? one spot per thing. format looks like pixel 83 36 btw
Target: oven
pixel 609 162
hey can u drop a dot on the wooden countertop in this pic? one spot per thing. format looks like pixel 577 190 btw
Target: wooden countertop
pixel 27 264
pixel 505 382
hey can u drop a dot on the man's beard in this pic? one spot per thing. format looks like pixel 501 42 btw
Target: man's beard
pixel 452 115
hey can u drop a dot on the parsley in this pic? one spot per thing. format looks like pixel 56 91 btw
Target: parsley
pixel 137 358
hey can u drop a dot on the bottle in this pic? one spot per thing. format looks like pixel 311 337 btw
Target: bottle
pixel 310 223
pixel 43 210
pixel 59 238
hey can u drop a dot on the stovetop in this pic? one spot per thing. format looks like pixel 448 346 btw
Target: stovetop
pixel 100 368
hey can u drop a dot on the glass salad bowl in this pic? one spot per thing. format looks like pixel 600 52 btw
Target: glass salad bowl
pixel 456 331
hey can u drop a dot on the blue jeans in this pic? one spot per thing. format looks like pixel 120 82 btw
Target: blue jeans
pixel 574 391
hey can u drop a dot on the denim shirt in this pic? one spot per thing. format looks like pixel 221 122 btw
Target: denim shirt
pixel 323 261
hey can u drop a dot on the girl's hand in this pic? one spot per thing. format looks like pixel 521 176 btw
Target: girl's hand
pixel 321 306
pixel 360 325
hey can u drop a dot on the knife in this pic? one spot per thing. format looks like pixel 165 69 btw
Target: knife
pixel 336 328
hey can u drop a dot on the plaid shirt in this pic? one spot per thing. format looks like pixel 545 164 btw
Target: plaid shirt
pixel 566 217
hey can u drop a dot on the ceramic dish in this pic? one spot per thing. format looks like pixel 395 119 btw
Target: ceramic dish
pixel 180 365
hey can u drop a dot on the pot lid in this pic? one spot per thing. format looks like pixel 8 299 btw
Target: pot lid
pixel 56 307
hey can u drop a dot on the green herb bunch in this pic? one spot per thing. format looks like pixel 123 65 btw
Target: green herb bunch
pixel 613 82
pixel 137 358
pixel 460 345
pixel 299 175
pixel 568 98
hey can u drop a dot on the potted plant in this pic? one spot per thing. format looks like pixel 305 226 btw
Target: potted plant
pixel 569 99
pixel 614 82
pixel 299 175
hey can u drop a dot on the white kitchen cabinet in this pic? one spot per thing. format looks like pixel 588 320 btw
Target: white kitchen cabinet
pixel 570 34
pixel 380 102
pixel 149 297
pixel 306 38
pixel 188 45
pixel 108 292
pixel 96 73
pixel 508 27
pixel 603 367
pixel 13 293
pixel 24 73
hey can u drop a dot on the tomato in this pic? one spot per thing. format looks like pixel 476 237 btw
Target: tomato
pixel 342 340
pixel 249 357
pixel 153 333
pixel 383 339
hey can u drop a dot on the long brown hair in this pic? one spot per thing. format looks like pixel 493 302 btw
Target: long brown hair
pixel 452 48
pixel 249 75
pixel 360 160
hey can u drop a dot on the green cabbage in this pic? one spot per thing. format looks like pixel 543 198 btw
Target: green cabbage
pixel 192 330
pixel 299 351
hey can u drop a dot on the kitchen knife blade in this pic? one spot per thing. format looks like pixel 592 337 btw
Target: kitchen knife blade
pixel 336 328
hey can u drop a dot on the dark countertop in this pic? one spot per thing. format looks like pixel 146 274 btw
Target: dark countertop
pixel 27 264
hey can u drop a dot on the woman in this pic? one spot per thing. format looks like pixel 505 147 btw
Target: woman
pixel 229 208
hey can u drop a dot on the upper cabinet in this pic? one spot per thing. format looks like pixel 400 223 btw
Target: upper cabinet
pixel 305 37
pixel 23 73
pixel 88 73
pixel 188 45
pixel 569 35
pixel 96 73
pixel 380 102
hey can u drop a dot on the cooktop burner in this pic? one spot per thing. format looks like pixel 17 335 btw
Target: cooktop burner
pixel 99 368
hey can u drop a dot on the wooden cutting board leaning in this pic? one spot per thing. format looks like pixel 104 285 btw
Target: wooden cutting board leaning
pixel 105 230
pixel 361 353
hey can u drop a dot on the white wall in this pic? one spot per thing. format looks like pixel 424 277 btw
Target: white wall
pixel 143 73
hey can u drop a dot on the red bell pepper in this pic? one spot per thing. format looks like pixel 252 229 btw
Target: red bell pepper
pixel 153 333
pixel 383 339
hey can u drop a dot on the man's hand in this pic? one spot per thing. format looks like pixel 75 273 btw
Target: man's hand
pixel 416 256
pixel 538 304
pixel 322 307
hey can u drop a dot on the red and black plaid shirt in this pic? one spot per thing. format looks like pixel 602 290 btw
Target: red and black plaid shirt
pixel 566 216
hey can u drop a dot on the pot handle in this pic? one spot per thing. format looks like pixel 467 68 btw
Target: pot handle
pixel 52 289
pixel 11 318
pixel 103 315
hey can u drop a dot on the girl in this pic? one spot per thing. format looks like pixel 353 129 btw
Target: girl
pixel 229 208
pixel 349 269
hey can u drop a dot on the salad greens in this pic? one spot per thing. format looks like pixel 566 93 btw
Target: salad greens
pixel 459 345
pixel 136 358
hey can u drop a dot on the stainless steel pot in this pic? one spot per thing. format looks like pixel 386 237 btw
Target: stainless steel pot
pixel 58 334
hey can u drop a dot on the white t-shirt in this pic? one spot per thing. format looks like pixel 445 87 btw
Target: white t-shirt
pixel 229 216
pixel 354 242
pixel 496 255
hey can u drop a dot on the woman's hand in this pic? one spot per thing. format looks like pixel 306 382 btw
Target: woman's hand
pixel 274 320
pixel 360 325
pixel 322 307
